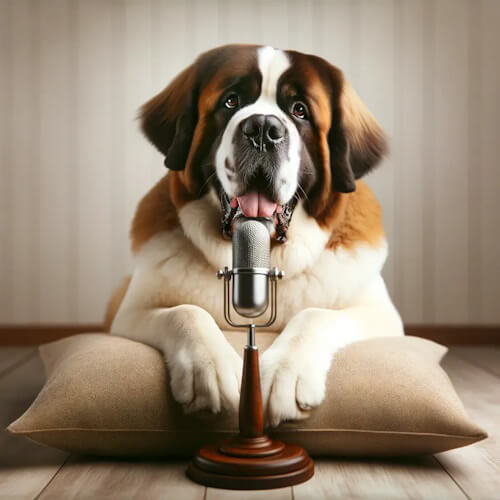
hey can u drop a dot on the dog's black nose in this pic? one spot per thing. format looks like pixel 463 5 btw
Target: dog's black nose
pixel 263 130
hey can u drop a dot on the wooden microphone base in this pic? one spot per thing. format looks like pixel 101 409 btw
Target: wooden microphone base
pixel 251 464
pixel 251 460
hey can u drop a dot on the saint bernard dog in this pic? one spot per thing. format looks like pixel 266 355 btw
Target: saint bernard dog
pixel 259 132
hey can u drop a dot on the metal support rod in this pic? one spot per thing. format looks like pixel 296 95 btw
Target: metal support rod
pixel 251 335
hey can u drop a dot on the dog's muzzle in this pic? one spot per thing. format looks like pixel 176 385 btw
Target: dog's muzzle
pixel 229 214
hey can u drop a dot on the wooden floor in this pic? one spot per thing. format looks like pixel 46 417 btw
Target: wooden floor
pixel 31 471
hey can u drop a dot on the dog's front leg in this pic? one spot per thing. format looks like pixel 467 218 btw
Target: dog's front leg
pixel 295 367
pixel 204 369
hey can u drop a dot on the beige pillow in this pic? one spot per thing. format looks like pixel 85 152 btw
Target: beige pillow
pixel 107 395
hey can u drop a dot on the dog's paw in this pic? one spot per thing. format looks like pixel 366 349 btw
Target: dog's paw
pixel 292 384
pixel 204 369
pixel 201 380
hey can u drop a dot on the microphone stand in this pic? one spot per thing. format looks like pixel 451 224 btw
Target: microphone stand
pixel 251 460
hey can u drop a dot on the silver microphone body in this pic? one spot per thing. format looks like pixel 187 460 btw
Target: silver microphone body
pixel 251 252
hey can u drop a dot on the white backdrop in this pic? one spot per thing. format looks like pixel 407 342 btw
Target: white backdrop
pixel 73 164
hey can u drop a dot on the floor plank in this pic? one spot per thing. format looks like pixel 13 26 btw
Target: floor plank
pixel 276 494
pixel 25 467
pixel 486 357
pixel 419 478
pixel 476 468
pixel 83 477
pixel 11 356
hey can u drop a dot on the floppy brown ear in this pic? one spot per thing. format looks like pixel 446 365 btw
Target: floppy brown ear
pixel 169 119
pixel 357 142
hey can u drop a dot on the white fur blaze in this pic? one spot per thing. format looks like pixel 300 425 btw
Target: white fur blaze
pixel 272 64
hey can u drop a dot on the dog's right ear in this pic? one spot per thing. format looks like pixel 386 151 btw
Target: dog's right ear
pixel 357 142
pixel 169 119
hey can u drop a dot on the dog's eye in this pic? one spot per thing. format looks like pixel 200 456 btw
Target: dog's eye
pixel 299 110
pixel 232 101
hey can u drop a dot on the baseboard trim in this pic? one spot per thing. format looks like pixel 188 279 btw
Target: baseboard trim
pixel 457 334
pixel 444 334
pixel 41 334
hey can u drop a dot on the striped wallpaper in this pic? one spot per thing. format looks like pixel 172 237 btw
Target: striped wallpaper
pixel 73 164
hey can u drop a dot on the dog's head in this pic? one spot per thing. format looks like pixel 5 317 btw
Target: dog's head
pixel 264 127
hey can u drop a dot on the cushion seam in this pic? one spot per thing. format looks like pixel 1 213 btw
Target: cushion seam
pixel 354 431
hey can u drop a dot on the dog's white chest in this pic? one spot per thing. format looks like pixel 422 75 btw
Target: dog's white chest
pixel 176 272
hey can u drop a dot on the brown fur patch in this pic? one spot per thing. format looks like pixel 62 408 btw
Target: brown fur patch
pixel 320 105
pixel 365 135
pixel 192 178
pixel 236 63
pixel 115 303
pixel 159 115
pixel 366 143
pixel 353 218
pixel 157 211
pixel 211 92
pixel 358 121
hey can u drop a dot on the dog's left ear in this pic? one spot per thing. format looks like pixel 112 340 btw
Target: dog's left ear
pixel 357 142
pixel 169 119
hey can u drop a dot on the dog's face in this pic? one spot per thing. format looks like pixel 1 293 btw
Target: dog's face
pixel 264 127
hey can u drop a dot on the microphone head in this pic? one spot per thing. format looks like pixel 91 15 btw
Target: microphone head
pixel 251 249
pixel 251 244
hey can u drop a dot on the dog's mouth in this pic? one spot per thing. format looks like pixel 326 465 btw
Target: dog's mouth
pixel 255 205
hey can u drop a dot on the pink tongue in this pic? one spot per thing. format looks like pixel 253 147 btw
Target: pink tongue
pixel 256 205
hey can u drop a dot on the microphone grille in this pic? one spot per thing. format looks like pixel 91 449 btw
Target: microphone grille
pixel 251 244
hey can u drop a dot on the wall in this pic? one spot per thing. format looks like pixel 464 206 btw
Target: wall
pixel 73 164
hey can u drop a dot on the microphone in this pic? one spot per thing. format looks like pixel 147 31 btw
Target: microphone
pixel 253 280
pixel 251 459
pixel 251 249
